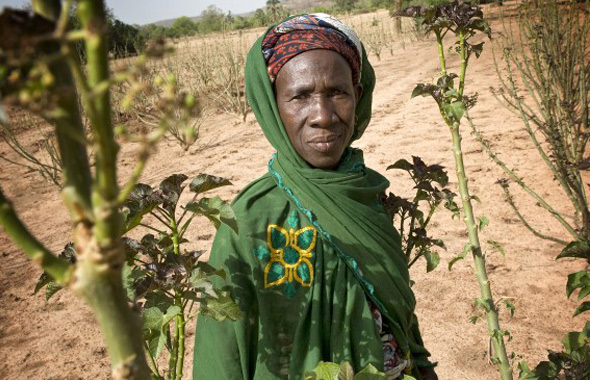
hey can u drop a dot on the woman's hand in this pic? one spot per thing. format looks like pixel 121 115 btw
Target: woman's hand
pixel 427 373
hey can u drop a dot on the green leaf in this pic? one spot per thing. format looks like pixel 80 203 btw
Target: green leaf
pixel 371 373
pixel 346 372
pixel 152 330
pixel 482 222
pixel 216 210
pixel 432 260
pixel 43 280
pixel 480 303
pixel 401 164
pixel 573 341
pixel 576 249
pixel 466 249
pixel 221 308
pixel 171 188
pixel 475 198
pixel 141 201
pixel 582 308
pixel 474 318
pixel 510 306
pixel 497 247
pixel 52 288
pixel 575 281
pixel 408 377
pixel 325 371
pixel 454 110
pixel 584 292
pixel 206 182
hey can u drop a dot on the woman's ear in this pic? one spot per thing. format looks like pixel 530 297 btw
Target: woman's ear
pixel 358 92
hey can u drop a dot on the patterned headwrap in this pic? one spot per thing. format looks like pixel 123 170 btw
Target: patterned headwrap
pixel 309 32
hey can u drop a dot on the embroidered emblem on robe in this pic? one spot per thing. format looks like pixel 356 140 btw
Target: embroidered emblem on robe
pixel 289 252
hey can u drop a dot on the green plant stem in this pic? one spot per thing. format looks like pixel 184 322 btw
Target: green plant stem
pixel 463 53
pixel 101 286
pixel 59 269
pixel 441 55
pixel 108 226
pixel 479 260
pixel 181 345
pixel 154 366
pixel 173 361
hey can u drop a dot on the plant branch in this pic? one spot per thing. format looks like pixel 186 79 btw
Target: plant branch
pixel 59 269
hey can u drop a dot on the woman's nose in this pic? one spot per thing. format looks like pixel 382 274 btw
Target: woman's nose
pixel 322 113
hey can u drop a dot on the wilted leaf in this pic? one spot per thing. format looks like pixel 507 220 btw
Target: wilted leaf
pixel 510 306
pixel 482 222
pixel 216 210
pixel 496 246
pixel 206 182
pixel 466 249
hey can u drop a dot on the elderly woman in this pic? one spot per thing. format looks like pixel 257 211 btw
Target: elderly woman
pixel 316 266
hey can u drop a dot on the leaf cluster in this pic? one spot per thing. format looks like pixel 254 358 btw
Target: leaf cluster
pixel 413 216
pixel 160 277
pixel 344 371
pixel 573 363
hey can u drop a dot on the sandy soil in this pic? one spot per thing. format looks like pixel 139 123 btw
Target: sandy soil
pixel 59 339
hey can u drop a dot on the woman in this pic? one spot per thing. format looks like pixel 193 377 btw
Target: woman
pixel 316 266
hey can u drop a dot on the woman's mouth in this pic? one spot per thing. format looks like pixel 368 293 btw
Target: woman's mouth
pixel 324 143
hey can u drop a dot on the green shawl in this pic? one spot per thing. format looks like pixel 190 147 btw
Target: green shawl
pixel 319 310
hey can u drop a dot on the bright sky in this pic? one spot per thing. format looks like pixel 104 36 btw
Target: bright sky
pixel 147 11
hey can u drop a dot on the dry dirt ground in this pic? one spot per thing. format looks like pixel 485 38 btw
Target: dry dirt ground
pixel 60 340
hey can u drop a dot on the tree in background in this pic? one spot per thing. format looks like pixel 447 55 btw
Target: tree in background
pixel 211 20
pixel 345 5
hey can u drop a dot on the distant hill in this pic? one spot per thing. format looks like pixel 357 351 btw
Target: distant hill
pixel 292 5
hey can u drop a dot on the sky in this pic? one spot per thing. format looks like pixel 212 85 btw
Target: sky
pixel 147 11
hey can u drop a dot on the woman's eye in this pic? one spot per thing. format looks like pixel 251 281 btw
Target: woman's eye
pixel 300 96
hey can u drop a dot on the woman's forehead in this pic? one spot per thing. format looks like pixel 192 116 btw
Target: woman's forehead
pixel 309 67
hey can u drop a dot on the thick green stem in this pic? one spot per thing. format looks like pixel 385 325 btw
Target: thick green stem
pixel 99 283
pixel 479 259
pixel 59 269
pixel 108 225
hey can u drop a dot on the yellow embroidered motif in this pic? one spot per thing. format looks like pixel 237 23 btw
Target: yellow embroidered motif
pixel 290 252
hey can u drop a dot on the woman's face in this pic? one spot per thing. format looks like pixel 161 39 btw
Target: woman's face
pixel 317 101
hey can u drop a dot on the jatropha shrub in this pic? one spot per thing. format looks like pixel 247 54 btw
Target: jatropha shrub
pixel 40 71
pixel 464 21
pixel 163 279
pixel 411 217
pixel 544 73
